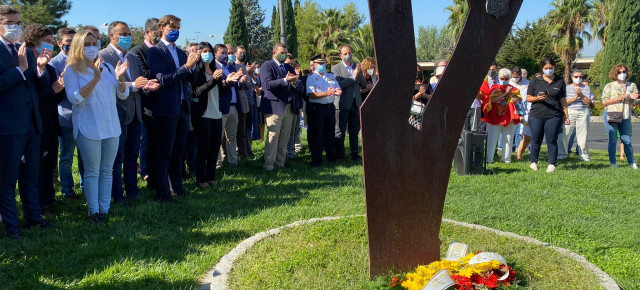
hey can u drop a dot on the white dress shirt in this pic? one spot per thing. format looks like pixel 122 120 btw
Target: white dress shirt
pixel 96 116
pixel 317 83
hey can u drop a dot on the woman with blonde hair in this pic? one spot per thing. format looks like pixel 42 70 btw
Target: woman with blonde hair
pixel 617 97
pixel 368 67
pixel 92 87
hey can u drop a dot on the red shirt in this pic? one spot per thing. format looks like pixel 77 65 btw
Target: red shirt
pixel 499 112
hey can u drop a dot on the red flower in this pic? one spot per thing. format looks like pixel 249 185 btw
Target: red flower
pixel 462 282
pixel 394 281
pixel 491 282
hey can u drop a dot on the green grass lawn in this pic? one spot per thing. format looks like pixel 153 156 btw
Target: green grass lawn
pixel 588 208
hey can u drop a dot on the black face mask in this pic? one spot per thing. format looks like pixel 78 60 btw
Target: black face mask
pixel 418 76
pixel 241 57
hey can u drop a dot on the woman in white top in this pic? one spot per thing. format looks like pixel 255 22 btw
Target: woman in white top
pixel 92 88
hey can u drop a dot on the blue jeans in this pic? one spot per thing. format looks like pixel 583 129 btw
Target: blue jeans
pixel 624 129
pixel 127 162
pixel 98 165
pixel 518 137
pixel 67 148
pixel 545 129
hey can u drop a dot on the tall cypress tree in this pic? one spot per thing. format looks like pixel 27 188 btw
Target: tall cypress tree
pixel 237 33
pixel 290 26
pixel 623 43
pixel 275 24
pixel 259 36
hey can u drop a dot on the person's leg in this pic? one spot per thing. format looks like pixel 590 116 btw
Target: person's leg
pixel 165 131
pixel 91 150
pixel 273 124
pixel 342 117
pixel 625 137
pixel 291 142
pixel 10 155
pixel 177 157
pixel 109 149
pixel 298 133
pixel 622 153
pixel 117 191
pixel 612 130
pixel 517 133
pixel 202 129
pixel 241 134
pixel 49 155
pixel 551 128
pixel 67 149
pixel 329 121
pixel 232 131
pixel 354 131
pixel 507 139
pixel 285 132
pixel 144 149
pixel 561 143
pixel 130 165
pixel 216 140
pixel 152 148
pixel 537 134
pixel 222 150
pixel 492 140
pixel 190 151
pixel 27 182
pixel 314 135
pixel 582 129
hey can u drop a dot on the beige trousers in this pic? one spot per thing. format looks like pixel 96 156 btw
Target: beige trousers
pixel 278 133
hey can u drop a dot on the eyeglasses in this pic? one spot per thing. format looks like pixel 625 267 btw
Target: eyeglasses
pixel 503 79
pixel 12 23
pixel 622 72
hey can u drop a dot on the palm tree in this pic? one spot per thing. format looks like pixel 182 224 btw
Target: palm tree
pixel 362 43
pixel 600 17
pixel 333 30
pixel 457 17
pixel 568 22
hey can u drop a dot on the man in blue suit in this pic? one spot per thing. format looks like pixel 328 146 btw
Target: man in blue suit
pixel 279 86
pixel 22 80
pixel 171 106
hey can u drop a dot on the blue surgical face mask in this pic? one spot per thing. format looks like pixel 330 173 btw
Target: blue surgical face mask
pixel 206 57
pixel 124 42
pixel 173 35
pixel 548 72
pixel 321 68
pixel 504 83
pixel 231 58
pixel 223 58
pixel 44 45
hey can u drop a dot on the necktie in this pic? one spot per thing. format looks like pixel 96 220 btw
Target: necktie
pixel 14 53
pixel 284 71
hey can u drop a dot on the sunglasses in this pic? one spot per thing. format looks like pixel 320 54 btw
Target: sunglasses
pixel 622 72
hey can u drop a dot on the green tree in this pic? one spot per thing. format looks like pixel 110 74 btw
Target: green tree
pixel 307 18
pixel 362 43
pixel 600 17
pixel 433 43
pixel 290 28
pixel 457 17
pixel 568 21
pixel 527 46
pixel 137 35
pixel 260 42
pixel 46 12
pixel 237 33
pixel 623 43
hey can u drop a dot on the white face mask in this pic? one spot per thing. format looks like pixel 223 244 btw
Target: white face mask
pixel 90 52
pixel 257 70
pixel 622 76
pixel 548 72
pixel 577 81
pixel 515 80
pixel 370 71
pixel 12 32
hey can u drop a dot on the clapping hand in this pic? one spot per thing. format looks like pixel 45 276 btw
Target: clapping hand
pixel 217 74
pixel 43 59
pixel 151 85
pixel 141 82
pixel 634 96
pixel 578 91
pixel 338 92
pixel 356 71
pixel 192 59
pixel 121 68
pixel 23 64
pixel 291 78
pixel 95 67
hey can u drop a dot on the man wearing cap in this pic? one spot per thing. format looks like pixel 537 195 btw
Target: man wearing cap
pixel 322 89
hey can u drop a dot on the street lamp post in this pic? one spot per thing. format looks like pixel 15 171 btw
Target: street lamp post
pixel 197 36
pixel 283 32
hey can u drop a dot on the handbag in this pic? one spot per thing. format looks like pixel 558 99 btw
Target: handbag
pixel 417 108
pixel 614 117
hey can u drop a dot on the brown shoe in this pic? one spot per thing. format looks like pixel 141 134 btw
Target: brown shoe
pixel 212 183
pixel 173 194
pixel 204 185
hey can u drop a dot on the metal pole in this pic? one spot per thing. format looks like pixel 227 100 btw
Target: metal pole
pixel 283 31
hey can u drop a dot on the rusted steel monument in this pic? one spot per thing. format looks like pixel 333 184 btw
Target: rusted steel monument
pixel 406 171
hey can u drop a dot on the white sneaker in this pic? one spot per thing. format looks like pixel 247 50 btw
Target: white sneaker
pixel 635 166
pixel 551 168
pixel 585 158
pixel 533 166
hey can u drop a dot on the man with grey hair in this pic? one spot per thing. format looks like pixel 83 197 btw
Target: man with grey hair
pixel 24 78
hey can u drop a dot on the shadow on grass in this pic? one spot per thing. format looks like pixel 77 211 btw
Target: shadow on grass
pixel 138 245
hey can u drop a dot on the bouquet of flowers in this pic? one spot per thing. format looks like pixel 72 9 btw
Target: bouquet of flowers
pixel 482 270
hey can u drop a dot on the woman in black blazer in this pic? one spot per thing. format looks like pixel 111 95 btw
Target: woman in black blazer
pixel 206 116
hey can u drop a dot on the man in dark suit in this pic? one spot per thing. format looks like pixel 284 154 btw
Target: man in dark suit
pixel 129 111
pixel 152 35
pixel 351 81
pixel 171 106
pixel 279 86
pixel 22 80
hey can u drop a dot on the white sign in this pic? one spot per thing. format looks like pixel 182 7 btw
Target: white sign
pixel 457 251
pixel 485 257
pixel 442 280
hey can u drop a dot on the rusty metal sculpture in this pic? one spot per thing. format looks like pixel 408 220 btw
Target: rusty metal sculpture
pixel 406 171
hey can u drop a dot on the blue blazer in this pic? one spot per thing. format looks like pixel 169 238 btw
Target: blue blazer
pixel 166 100
pixel 19 98
pixel 276 91
pixel 226 91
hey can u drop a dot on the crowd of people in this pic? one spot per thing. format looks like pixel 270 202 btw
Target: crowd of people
pixel 155 112
pixel 517 113
pixel 162 113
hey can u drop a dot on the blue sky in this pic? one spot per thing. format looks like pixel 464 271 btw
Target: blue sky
pixel 196 19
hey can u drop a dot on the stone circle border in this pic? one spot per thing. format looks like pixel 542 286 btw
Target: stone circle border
pixel 216 277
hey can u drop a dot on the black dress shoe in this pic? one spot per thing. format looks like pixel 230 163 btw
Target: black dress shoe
pixel 183 193
pixel 72 196
pixel 356 157
pixel 42 224
pixel 15 236
pixel 96 218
